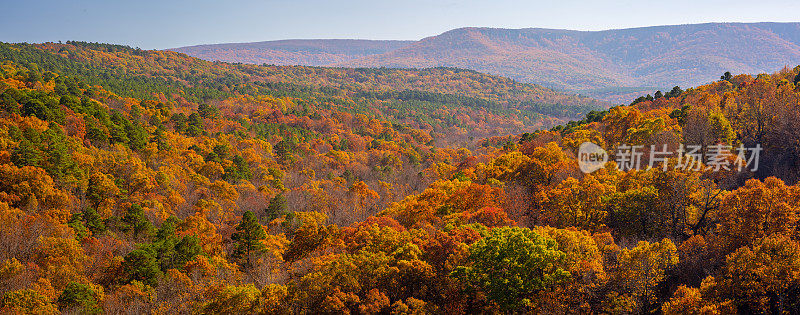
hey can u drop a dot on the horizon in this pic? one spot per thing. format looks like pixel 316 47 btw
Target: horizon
pixel 474 27
pixel 169 24
pixel 413 40
pixel 373 157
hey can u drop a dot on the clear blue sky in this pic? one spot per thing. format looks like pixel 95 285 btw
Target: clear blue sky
pixel 164 24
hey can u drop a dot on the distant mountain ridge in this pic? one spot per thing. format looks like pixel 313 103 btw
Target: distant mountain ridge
pixel 306 52
pixel 588 61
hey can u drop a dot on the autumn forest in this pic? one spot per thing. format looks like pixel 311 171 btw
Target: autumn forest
pixel 140 181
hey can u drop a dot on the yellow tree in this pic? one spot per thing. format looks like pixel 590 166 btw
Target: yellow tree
pixel 764 277
pixel 754 211
pixel 685 300
pixel 233 300
pixel 577 203
pixel 63 260
pixel 362 196
pixel 642 268
pixel 584 262
pixel 617 123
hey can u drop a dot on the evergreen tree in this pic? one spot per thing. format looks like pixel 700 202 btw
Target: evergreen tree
pixel 141 265
pixel 80 297
pixel 283 149
pixel 248 236
pixel 179 122
pixel 208 111
pixel 239 170
pixel 170 251
pixel 35 108
pixel 137 135
pixel 135 221
pixel 78 227
pixel 727 76
pixel 186 250
pixel 167 229
pixel 194 125
pixel 276 208
pixel 675 92
pixel 93 221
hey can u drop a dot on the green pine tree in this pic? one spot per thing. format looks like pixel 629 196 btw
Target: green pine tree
pixel 248 237
pixel 79 297
pixel 135 221
pixel 142 265
pixel 727 76
pixel 276 208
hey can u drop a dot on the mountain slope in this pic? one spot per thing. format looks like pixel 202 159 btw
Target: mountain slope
pixel 439 99
pixel 654 57
pixel 319 52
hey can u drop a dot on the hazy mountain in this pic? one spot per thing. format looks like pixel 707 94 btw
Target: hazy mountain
pixel 606 64
pixel 312 52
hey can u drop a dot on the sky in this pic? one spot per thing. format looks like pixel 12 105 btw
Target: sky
pixel 160 24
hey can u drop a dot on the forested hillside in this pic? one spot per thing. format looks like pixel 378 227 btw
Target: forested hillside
pixel 432 99
pixel 660 56
pixel 607 64
pixel 150 182
pixel 310 52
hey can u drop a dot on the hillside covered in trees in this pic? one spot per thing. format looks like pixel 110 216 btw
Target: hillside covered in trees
pixel 432 99
pixel 150 182
pixel 292 52
pixel 608 64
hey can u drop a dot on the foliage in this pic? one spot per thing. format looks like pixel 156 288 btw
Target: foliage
pixel 82 297
pixel 212 187
pixel 512 265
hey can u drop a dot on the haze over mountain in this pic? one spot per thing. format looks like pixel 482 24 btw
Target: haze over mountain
pixel 612 64
pixel 306 52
